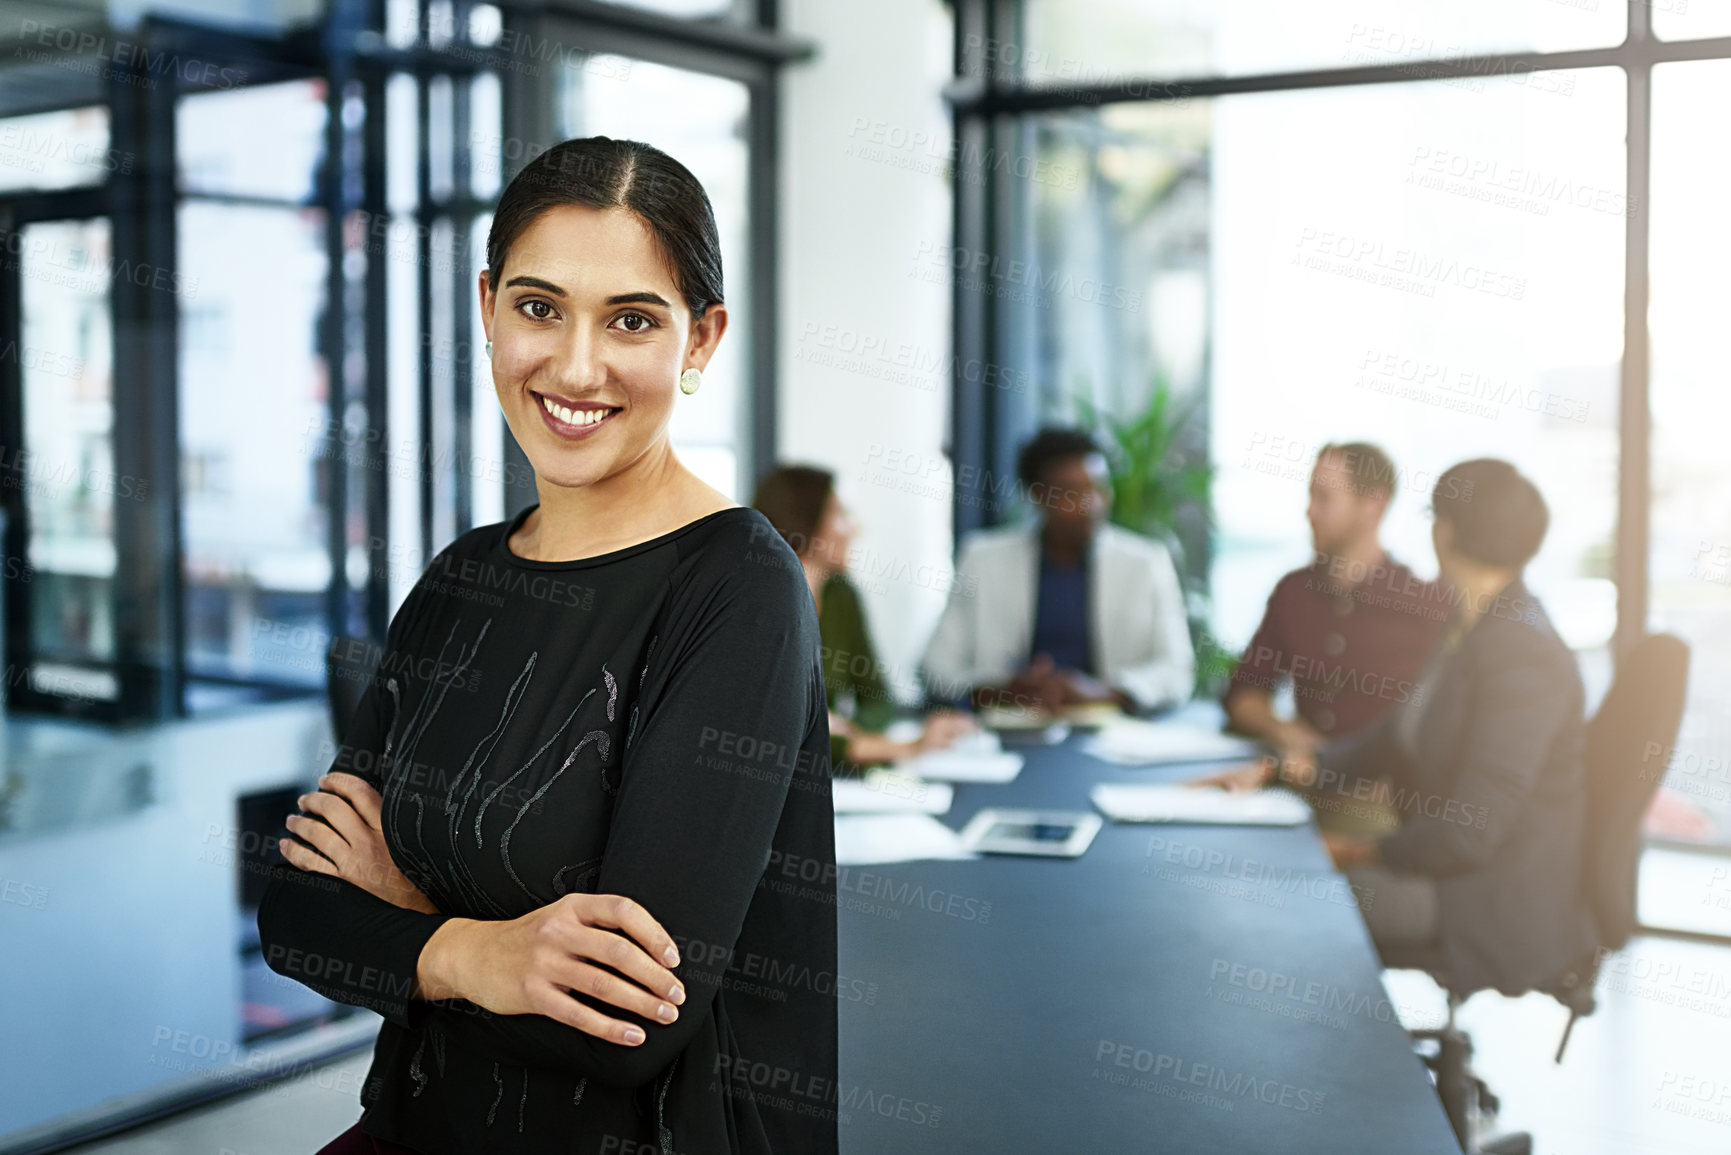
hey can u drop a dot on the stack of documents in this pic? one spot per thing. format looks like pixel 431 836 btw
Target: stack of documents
pixel 1200 804
pixel 1137 743
pixel 875 839
pixel 887 792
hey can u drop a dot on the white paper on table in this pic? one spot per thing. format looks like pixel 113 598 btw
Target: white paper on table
pixel 905 730
pixel 1123 802
pixel 876 839
pixel 886 792
pixel 1137 743
pixel 981 741
pixel 964 766
pixel 909 730
pixel 1192 804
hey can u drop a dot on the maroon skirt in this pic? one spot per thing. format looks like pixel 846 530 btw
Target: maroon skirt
pixel 355 1141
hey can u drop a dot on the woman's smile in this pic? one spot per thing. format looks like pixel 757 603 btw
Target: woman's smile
pixel 573 420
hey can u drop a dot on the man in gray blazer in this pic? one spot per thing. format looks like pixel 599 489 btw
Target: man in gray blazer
pixel 1068 610
pixel 1483 764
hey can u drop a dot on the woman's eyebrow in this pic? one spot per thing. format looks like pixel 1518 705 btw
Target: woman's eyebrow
pixel 642 298
pixel 536 283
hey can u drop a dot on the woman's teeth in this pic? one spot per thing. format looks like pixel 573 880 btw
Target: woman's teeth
pixel 574 416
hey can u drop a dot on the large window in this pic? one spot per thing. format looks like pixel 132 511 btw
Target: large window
pixel 56 150
pixel 253 387
pixel 1086 41
pixel 1389 222
pixel 1691 515
pixel 65 467
pixel 1438 273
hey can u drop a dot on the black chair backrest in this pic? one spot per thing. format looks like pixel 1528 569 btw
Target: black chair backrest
pixel 1629 743
pixel 349 666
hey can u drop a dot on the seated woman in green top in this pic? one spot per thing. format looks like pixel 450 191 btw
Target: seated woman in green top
pixel 801 503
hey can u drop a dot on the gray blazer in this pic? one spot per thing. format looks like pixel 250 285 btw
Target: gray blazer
pixel 1491 798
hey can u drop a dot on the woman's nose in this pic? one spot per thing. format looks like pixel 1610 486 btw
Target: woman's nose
pixel 579 363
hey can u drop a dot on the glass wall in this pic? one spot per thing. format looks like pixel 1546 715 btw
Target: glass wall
pixel 1094 41
pixel 1690 525
pixel 56 150
pixel 1439 272
pixel 253 386
pixel 65 467
pixel 1208 199
pixel 1691 19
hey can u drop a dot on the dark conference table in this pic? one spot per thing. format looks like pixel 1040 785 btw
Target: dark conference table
pixel 1178 989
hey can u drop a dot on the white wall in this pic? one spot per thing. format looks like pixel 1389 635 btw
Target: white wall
pixel 865 344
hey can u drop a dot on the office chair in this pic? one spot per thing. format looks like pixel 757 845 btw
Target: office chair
pixel 1644 705
pixel 349 666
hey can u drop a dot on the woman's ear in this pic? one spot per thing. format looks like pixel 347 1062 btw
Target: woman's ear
pixel 706 334
pixel 485 290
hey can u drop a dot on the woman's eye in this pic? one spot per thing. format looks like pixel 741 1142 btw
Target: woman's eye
pixel 534 305
pixel 636 323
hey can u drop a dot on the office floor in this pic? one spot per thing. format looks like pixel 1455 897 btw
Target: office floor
pixel 1646 1075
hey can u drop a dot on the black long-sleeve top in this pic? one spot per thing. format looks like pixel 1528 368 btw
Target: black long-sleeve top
pixel 650 722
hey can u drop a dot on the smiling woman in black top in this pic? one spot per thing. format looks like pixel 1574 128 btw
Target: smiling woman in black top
pixel 578 848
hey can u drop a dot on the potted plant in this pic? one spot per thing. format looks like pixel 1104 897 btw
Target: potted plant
pixel 1161 487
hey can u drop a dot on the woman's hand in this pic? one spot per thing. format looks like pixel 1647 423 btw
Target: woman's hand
pixel 1298 737
pixel 1350 853
pixel 1246 776
pixel 526 965
pixel 1298 766
pixel 352 847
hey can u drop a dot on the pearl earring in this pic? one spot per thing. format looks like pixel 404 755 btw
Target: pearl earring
pixel 489 350
pixel 690 380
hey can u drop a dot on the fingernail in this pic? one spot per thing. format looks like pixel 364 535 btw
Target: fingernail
pixel 677 995
pixel 670 956
pixel 666 1013
pixel 633 1035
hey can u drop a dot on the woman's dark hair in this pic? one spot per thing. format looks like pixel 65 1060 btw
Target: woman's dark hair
pixel 1499 517
pixel 793 498
pixel 601 173
pixel 1051 444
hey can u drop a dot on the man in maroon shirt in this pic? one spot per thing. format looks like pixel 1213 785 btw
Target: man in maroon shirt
pixel 1351 630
